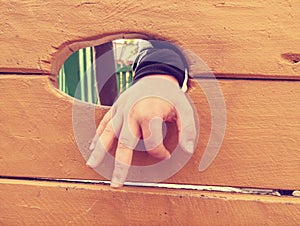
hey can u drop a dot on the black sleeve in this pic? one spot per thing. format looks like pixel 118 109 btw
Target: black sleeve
pixel 160 61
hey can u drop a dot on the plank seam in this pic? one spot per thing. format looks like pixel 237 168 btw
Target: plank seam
pixel 219 76
pixel 212 188
pixel 247 77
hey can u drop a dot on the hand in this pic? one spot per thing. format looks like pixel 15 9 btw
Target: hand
pixel 139 113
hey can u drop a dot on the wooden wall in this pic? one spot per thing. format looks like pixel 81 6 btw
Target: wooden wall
pixel 252 48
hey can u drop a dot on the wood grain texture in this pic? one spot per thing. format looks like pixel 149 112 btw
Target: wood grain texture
pixel 260 148
pixel 236 38
pixel 51 203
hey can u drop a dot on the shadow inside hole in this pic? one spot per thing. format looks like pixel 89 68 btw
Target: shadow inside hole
pixel 98 74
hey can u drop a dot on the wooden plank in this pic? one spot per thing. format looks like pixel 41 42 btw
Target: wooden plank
pixel 257 38
pixel 52 203
pixel 260 148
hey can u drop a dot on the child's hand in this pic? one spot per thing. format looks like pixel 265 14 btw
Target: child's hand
pixel 139 113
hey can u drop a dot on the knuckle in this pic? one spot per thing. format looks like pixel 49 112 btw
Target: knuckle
pixel 141 114
pixel 127 142
pixel 108 131
pixel 147 117
pixel 124 143
pixel 149 114
pixel 106 117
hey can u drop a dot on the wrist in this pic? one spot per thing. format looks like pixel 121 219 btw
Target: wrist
pixel 163 76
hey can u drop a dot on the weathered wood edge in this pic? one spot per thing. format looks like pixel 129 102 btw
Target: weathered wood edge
pixel 33 202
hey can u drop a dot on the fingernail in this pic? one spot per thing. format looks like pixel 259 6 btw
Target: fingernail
pixel 116 185
pixel 91 162
pixel 119 174
pixel 189 147
pixel 92 146
pixel 168 156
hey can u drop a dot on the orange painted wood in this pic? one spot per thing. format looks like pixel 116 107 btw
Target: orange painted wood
pixel 234 38
pixel 261 147
pixel 52 203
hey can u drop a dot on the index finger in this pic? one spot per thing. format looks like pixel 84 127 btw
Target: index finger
pixel 128 139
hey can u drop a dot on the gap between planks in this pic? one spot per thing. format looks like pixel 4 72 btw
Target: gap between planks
pixel 201 188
